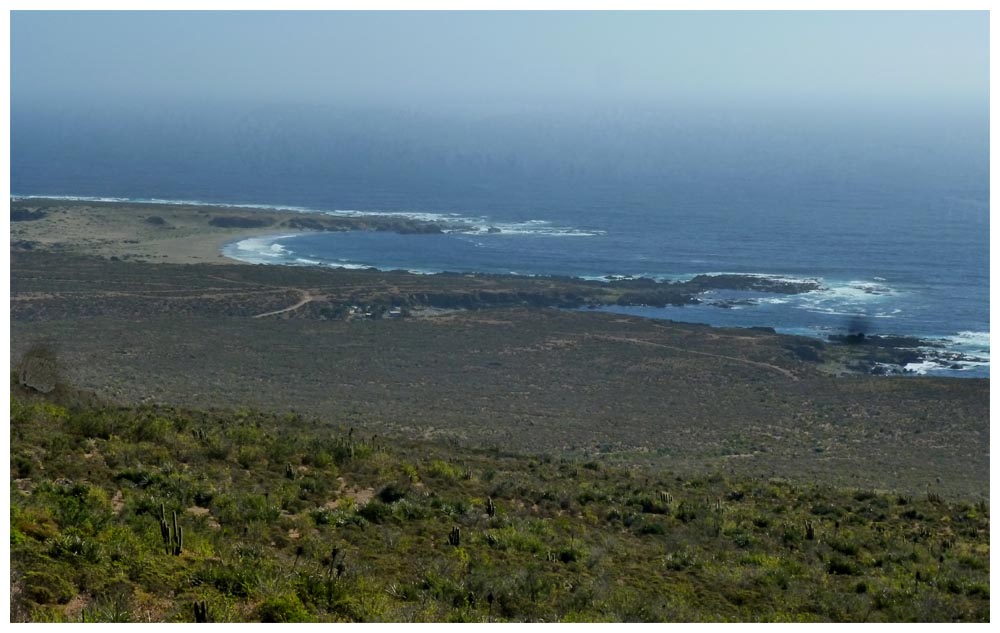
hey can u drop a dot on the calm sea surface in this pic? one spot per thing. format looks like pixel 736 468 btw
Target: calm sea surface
pixel 889 211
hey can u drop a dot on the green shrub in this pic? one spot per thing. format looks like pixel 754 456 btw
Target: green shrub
pixel 22 465
pixel 443 470
pixel 570 554
pixel 286 608
pixel 321 459
pixel 649 505
pixel 139 476
pixel 322 516
pixel 152 430
pixel 239 581
pixel 845 546
pixel 36 523
pixel 375 511
pixel 46 588
pixel 249 456
pixel 407 510
pixel 74 546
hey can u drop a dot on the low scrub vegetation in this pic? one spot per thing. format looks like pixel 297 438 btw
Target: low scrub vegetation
pixel 125 514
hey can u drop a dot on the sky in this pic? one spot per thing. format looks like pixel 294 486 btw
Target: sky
pixel 129 103
pixel 489 60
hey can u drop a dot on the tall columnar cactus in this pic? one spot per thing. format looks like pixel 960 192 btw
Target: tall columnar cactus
pixel 455 538
pixel 173 539
pixel 200 611
pixel 289 471
pixel 339 566
pixel 178 538
pixel 164 530
pixel 810 531
pixel 491 509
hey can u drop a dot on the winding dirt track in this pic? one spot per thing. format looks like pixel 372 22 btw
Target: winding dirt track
pixel 745 361
pixel 306 298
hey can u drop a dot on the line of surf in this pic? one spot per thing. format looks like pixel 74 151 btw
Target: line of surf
pixel 449 222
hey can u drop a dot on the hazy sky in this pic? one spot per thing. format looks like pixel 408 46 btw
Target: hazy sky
pixel 482 59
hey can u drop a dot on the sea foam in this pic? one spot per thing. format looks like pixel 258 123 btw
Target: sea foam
pixel 450 222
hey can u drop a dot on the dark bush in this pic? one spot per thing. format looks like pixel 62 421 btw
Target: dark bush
pixel 38 369
pixel 392 492
pixel 652 528
pixel 375 511
pixel 26 215
pixel 239 222
pixel 841 567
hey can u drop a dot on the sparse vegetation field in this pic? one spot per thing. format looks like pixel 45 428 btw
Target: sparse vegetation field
pixel 163 514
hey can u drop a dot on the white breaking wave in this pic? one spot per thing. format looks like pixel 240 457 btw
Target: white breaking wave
pixel 848 298
pixel 347 266
pixel 971 339
pixel 922 367
pixel 450 222
pixel 975 345
pixel 531 227
pixel 930 366
pixel 258 250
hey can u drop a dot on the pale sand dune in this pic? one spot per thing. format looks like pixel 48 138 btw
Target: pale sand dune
pixel 186 237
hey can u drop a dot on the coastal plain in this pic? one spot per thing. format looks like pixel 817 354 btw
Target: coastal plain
pixel 148 311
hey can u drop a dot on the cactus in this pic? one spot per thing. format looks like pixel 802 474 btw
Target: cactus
pixel 164 530
pixel 666 497
pixel 289 471
pixel 455 538
pixel 336 565
pixel 491 509
pixel 200 611
pixel 299 551
pixel 173 539
pixel 178 540
pixel 810 531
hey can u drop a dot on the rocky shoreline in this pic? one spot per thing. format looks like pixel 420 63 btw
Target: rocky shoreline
pixel 193 234
pixel 885 355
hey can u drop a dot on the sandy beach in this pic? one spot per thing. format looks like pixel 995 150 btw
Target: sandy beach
pixel 169 233
pixel 181 235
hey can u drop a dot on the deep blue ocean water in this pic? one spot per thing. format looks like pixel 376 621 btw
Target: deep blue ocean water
pixel 889 211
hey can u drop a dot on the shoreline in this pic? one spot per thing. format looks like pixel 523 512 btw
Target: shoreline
pixel 170 232
pixel 178 233
pixel 895 353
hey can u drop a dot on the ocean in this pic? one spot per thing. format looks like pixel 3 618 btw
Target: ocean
pixel 889 210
